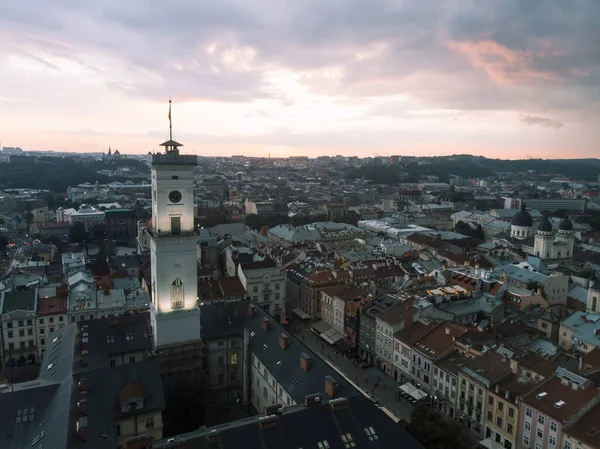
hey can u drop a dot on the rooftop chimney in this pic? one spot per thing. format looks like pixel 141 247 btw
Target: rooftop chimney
pixel 274 409
pixel 213 437
pixel 507 394
pixel 304 361
pixel 339 404
pixel 83 406
pixel 266 324
pixel 83 384
pixel 251 310
pixel 284 342
pixel 312 399
pixel 330 386
pixel 268 422
pixel 448 330
pixel 82 430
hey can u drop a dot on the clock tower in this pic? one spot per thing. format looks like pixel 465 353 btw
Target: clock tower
pixel 174 311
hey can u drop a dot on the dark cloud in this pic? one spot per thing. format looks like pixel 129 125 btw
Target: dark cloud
pixel 542 121
pixel 531 56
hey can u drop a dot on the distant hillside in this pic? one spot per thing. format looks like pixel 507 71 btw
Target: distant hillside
pixel 476 167
pixel 55 173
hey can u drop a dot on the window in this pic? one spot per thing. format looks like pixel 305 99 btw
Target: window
pixel 233 359
pixel 233 376
pixel 511 412
pixel 552 441
pixel 538 445
pixel 220 379
pixel 129 336
pixel 541 419
pixel 500 405
pixel 61 318
pixel 490 400
pixel 567 445
pixel 10 334
pixel 265 392
pixel 526 441
pixel 177 295
pixel 51 319
pixel 110 338
pixel 509 428
pixel 527 426
pixel 175 225
pixel 113 363
pixel 174 177
pixel 553 426
pixel 220 361
pixel 371 435
pixel 30 332
pixel 528 412
pixel 499 422
pixel 11 346
pixel 490 417
pixel 540 432
pixel 132 359
pixel 21 332
pixel 348 441
pixel 41 321
pixel 43 341
pixel 21 324
pixel 255 289
pixel 118 430
pixel 149 422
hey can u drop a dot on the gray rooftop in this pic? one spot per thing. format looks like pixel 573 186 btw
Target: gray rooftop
pixel 218 320
pixel 21 300
pixel 584 326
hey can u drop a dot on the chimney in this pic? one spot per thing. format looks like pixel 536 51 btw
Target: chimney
pixel 82 430
pixel 82 405
pixel 284 342
pixel 251 310
pixel 273 409
pixel 268 422
pixel 330 386
pixel 575 386
pixel 213 437
pixel 506 394
pixel 448 330
pixel 266 324
pixel 312 399
pixel 83 384
pixel 497 389
pixel 339 404
pixel 304 362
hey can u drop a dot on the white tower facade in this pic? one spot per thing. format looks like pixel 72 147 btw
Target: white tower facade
pixel 174 311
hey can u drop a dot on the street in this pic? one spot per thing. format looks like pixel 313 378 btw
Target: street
pixel 373 382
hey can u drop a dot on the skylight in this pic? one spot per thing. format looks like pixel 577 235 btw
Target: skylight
pixel 323 444
pixel 371 435
pixel 348 441
pixel 541 395
pixel 559 404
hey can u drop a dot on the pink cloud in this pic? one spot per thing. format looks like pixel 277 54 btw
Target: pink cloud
pixel 502 64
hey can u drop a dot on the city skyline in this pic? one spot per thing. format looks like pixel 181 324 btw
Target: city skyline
pixel 512 80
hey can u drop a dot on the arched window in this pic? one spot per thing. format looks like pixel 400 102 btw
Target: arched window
pixel 177 298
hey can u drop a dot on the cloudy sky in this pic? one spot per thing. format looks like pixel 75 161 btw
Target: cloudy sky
pixel 499 78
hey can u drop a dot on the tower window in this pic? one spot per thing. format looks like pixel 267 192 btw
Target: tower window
pixel 174 177
pixel 177 298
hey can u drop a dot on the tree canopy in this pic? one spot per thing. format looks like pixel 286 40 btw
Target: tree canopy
pixel 77 233
pixel 435 431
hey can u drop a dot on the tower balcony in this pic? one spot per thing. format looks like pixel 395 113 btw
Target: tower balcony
pixel 174 159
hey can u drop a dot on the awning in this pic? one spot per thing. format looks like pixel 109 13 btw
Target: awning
pixel 301 314
pixel 331 336
pixel 412 393
pixel 488 443
pixel 321 327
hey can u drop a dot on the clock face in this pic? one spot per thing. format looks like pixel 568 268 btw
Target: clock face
pixel 175 196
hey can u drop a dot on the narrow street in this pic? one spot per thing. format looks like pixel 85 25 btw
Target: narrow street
pixel 382 388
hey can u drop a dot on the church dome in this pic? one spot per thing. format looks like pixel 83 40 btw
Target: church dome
pixel 565 224
pixel 522 218
pixel 545 225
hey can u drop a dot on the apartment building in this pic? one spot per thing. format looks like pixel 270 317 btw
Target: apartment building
pixel 436 344
pixel 445 382
pixel 387 323
pixel 583 433
pixel 579 332
pixel 475 377
pixel 403 347
pixel 18 327
pixel 265 283
pixel 555 403
pixel 51 314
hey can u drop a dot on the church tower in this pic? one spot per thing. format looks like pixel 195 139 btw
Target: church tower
pixel 174 310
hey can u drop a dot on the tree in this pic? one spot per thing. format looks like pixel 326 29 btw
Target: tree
pixel 434 431
pixel 97 233
pixel 77 233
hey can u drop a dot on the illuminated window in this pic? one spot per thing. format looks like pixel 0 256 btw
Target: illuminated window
pixel 233 359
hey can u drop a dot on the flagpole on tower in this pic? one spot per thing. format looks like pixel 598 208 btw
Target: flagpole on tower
pixel 170 122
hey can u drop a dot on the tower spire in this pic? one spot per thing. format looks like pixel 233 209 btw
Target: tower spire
pixel 170 122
